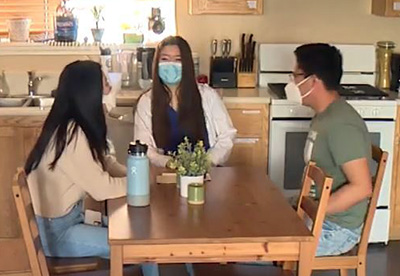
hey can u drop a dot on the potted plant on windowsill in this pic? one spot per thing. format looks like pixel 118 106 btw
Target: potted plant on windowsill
pixel 97 33
pixel 191 164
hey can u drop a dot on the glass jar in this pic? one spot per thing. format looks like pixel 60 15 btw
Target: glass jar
pixel 384 53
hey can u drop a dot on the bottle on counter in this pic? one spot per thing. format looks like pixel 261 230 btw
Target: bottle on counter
pixel 66 24
pixel 138 175
pixel 384 53
pixel 105 60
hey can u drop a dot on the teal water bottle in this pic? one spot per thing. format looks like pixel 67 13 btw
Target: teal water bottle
pixel 138 175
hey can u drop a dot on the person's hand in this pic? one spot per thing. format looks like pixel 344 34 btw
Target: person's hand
pixel 170 164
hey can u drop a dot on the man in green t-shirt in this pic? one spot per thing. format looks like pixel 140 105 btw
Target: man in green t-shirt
pixel 338 142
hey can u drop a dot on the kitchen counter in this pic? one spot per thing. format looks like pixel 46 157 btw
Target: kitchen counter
pixel 24 111
pixel 129 98
pixel 231 95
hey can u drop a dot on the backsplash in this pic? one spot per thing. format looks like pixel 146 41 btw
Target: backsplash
pixel 17 81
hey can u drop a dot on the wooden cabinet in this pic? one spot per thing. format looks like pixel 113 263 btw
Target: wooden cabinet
pixel 226 6
pixel 17 137
pixel 395 191
pixel 251 144
pixel 386 7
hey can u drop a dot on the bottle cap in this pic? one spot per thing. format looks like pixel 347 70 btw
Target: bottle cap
pixel 137 148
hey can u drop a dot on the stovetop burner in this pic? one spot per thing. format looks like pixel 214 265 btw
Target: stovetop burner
pixel 347 91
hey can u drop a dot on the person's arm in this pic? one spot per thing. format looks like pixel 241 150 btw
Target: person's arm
pixel 356 190
pixel 78 164
pixel 143 132
pixel 225 132
pixel 114 168
pixel 350 149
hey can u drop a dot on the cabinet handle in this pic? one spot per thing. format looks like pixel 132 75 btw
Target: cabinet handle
pixel 251 111
pixel 246 140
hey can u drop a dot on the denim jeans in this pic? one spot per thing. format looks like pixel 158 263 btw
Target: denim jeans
pixel 336 240
pixel 68 236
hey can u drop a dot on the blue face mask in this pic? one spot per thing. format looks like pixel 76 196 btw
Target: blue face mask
pixel 170 72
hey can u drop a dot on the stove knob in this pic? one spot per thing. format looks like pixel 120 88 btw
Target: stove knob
pixel 291 111
pixel 375 112
pixel 360 111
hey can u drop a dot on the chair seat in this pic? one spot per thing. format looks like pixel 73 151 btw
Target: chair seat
pixel 71 265
pixel 335 262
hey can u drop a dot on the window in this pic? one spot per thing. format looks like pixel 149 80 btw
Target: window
pixel 120 16
pixel 39 11
pixel 124 15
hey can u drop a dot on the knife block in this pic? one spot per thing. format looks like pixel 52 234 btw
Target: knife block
pixel 247 79
pixel 223 72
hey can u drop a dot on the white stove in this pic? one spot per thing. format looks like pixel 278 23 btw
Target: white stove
pixel 290 122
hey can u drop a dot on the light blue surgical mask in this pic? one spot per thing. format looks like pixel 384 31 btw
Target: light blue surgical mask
pixel 170 72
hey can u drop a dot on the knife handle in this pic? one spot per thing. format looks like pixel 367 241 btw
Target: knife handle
pixel 214 47
pixel 224 47
pixel 228 47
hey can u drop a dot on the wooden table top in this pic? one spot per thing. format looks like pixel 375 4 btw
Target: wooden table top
pixel 242 205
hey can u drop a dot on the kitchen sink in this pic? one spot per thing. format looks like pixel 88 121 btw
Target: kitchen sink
pixel 27 101
pixel 12 102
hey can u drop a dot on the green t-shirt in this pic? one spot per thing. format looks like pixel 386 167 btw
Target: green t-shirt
pixel 339 135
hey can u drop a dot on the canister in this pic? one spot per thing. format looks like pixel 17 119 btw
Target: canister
pixel 196 193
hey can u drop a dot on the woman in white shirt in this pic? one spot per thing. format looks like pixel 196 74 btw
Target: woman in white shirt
pixel 177 106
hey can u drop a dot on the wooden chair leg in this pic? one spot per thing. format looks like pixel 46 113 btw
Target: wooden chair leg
pixel 344 272
pixel 361 269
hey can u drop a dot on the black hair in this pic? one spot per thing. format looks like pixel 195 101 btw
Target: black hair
pixel 322 60
pixel 78 103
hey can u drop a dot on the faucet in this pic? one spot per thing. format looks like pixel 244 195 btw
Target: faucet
pixel 33 83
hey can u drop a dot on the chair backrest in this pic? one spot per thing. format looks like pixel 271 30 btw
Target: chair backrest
pixel 28 223
pixel 314 209
pixel 380 157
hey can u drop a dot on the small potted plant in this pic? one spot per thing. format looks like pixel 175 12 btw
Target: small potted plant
pixel 191 164
pixel 97 33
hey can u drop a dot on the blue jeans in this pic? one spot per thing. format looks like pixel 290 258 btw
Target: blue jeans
pixel 336 240
pixel 68 236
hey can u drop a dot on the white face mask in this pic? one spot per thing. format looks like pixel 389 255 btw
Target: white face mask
pixel 293 93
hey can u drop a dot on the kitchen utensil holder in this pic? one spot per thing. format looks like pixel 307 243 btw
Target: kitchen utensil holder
pixel 247 79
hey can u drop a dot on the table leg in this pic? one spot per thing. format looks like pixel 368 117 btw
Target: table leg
pixel 306 258
pixel 116 260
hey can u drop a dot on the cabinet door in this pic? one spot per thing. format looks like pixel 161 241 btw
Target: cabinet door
pixel 30 137
pixel 248 122
pixel 395 191
pixel 226 6
pixel 386 7
pixel 11 157
pixel 247 152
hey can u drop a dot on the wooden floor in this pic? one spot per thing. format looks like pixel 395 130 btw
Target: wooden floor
pixel 382 261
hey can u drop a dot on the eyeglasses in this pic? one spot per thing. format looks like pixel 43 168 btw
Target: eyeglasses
pixel 294 75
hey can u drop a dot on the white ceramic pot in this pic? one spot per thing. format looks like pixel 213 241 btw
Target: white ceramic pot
pixel 184 182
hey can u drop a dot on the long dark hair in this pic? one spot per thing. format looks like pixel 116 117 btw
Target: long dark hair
pixel 190 109
pixel 78 103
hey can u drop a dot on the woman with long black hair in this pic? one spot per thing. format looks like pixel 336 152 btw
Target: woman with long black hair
pixel 177 106
pixel 70 161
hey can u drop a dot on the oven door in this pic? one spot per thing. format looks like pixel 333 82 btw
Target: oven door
pixel 382 135
pixel 286 158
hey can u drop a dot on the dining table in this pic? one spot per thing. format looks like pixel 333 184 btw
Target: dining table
pixel 245 218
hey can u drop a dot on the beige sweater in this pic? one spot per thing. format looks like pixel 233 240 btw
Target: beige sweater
pixel 76 174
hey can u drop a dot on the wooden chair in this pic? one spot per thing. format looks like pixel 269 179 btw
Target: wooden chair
pixel 308 208
pixel 357 257
pixel 40 265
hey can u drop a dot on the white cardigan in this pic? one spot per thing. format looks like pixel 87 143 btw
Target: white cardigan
pixel 221 133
